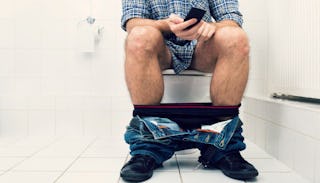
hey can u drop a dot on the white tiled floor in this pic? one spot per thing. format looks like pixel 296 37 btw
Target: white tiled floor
pixel 99 160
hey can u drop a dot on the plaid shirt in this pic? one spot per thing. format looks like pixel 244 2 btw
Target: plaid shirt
pixel 181 50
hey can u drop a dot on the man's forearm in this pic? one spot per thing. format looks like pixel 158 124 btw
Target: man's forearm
pixel 161 25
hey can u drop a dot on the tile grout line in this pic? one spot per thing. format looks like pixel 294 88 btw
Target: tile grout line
pixel 125 160
pixel 72 163
pixel 175 156
pixel 277 123
pixel 27 157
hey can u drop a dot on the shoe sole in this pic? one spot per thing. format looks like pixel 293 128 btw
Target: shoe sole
pixel 135 177
pixel 242 176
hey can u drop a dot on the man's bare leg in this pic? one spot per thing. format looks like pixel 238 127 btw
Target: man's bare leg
pixel 146 57
pixel 226 55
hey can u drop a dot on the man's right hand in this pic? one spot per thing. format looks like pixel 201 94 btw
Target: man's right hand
pixel 179 27
pixel 201 31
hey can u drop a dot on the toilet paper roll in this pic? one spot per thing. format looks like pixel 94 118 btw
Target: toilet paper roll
pixel 85 37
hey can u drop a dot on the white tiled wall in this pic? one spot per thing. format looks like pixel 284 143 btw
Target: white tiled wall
pixel 286 130
pixel 48 87
pixel 256 26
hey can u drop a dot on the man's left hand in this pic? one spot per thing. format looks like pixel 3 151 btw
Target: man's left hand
pixel 202 31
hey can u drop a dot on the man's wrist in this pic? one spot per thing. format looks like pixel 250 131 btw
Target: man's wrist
pixel 163 26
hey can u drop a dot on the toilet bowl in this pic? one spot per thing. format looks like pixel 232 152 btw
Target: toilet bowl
pixel 190 86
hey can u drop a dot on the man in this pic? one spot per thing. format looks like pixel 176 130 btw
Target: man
pixel 158 39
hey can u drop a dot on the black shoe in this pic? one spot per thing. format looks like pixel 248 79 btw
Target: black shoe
pixel 138 168
pixel 233 165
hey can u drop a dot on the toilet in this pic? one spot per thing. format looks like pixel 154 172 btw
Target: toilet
pixel 189 86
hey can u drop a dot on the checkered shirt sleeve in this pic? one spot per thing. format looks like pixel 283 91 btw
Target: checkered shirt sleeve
pixel 226 10
pixel 134 9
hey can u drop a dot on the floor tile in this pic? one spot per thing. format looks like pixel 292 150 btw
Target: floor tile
pixel 269 165
pixel 61 151
pixel 18 151
pixel 8 163
pixel 35 141
pixel 210 176
pixel 279 177
pixel 111 151
pixel 34 177
pixel 169 165
pixel 189 165
pixel 91 177
pixel 98 160
pixel 161 177
pixel 97 165
pixel 44 164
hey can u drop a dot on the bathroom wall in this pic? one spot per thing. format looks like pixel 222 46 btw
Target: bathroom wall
pixel 289 131
pixel 47 86
pixel 255 16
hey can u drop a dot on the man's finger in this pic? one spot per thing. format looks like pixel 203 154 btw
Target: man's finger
pixel 175 18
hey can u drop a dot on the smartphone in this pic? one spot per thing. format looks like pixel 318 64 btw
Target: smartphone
pixel 195 13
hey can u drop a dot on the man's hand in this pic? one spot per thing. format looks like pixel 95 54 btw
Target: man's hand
pixel 202 31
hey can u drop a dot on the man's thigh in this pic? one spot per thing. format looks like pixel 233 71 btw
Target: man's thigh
pixel 205 56
pixel 150 40
pixel 165 59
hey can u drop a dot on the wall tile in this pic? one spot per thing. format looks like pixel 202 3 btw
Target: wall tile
pixel 69 123
pixel 97 123
pixel 260 132
pixel 67 9
pixel 304 156
pixel 56 63
pixel 41 103
pixel 7 33
pixel 249 127
pixel 287 146
pixel 59 34
pixel 253 10
pixel 13 103
pixel 120 120
pixel 13 123
pixel 99 9
pixel 81 64
pixel 121 104
pixel 79 86
pixel 6 62
pixel 258 64
pixel 7 10
pixel 55 86
pixel 75 103
pixel 42 123
pixel 28 34
pixel 258 34
pixel 97 103
pixel 7 86
pixel 317 164
pixel 28 63
pixel 29 9
pixel 272 136
pixel 28 86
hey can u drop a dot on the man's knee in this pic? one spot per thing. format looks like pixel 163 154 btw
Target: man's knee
pixel 233 40
pixel 143 39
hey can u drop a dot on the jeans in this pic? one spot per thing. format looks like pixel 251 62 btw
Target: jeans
pixel 161 137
